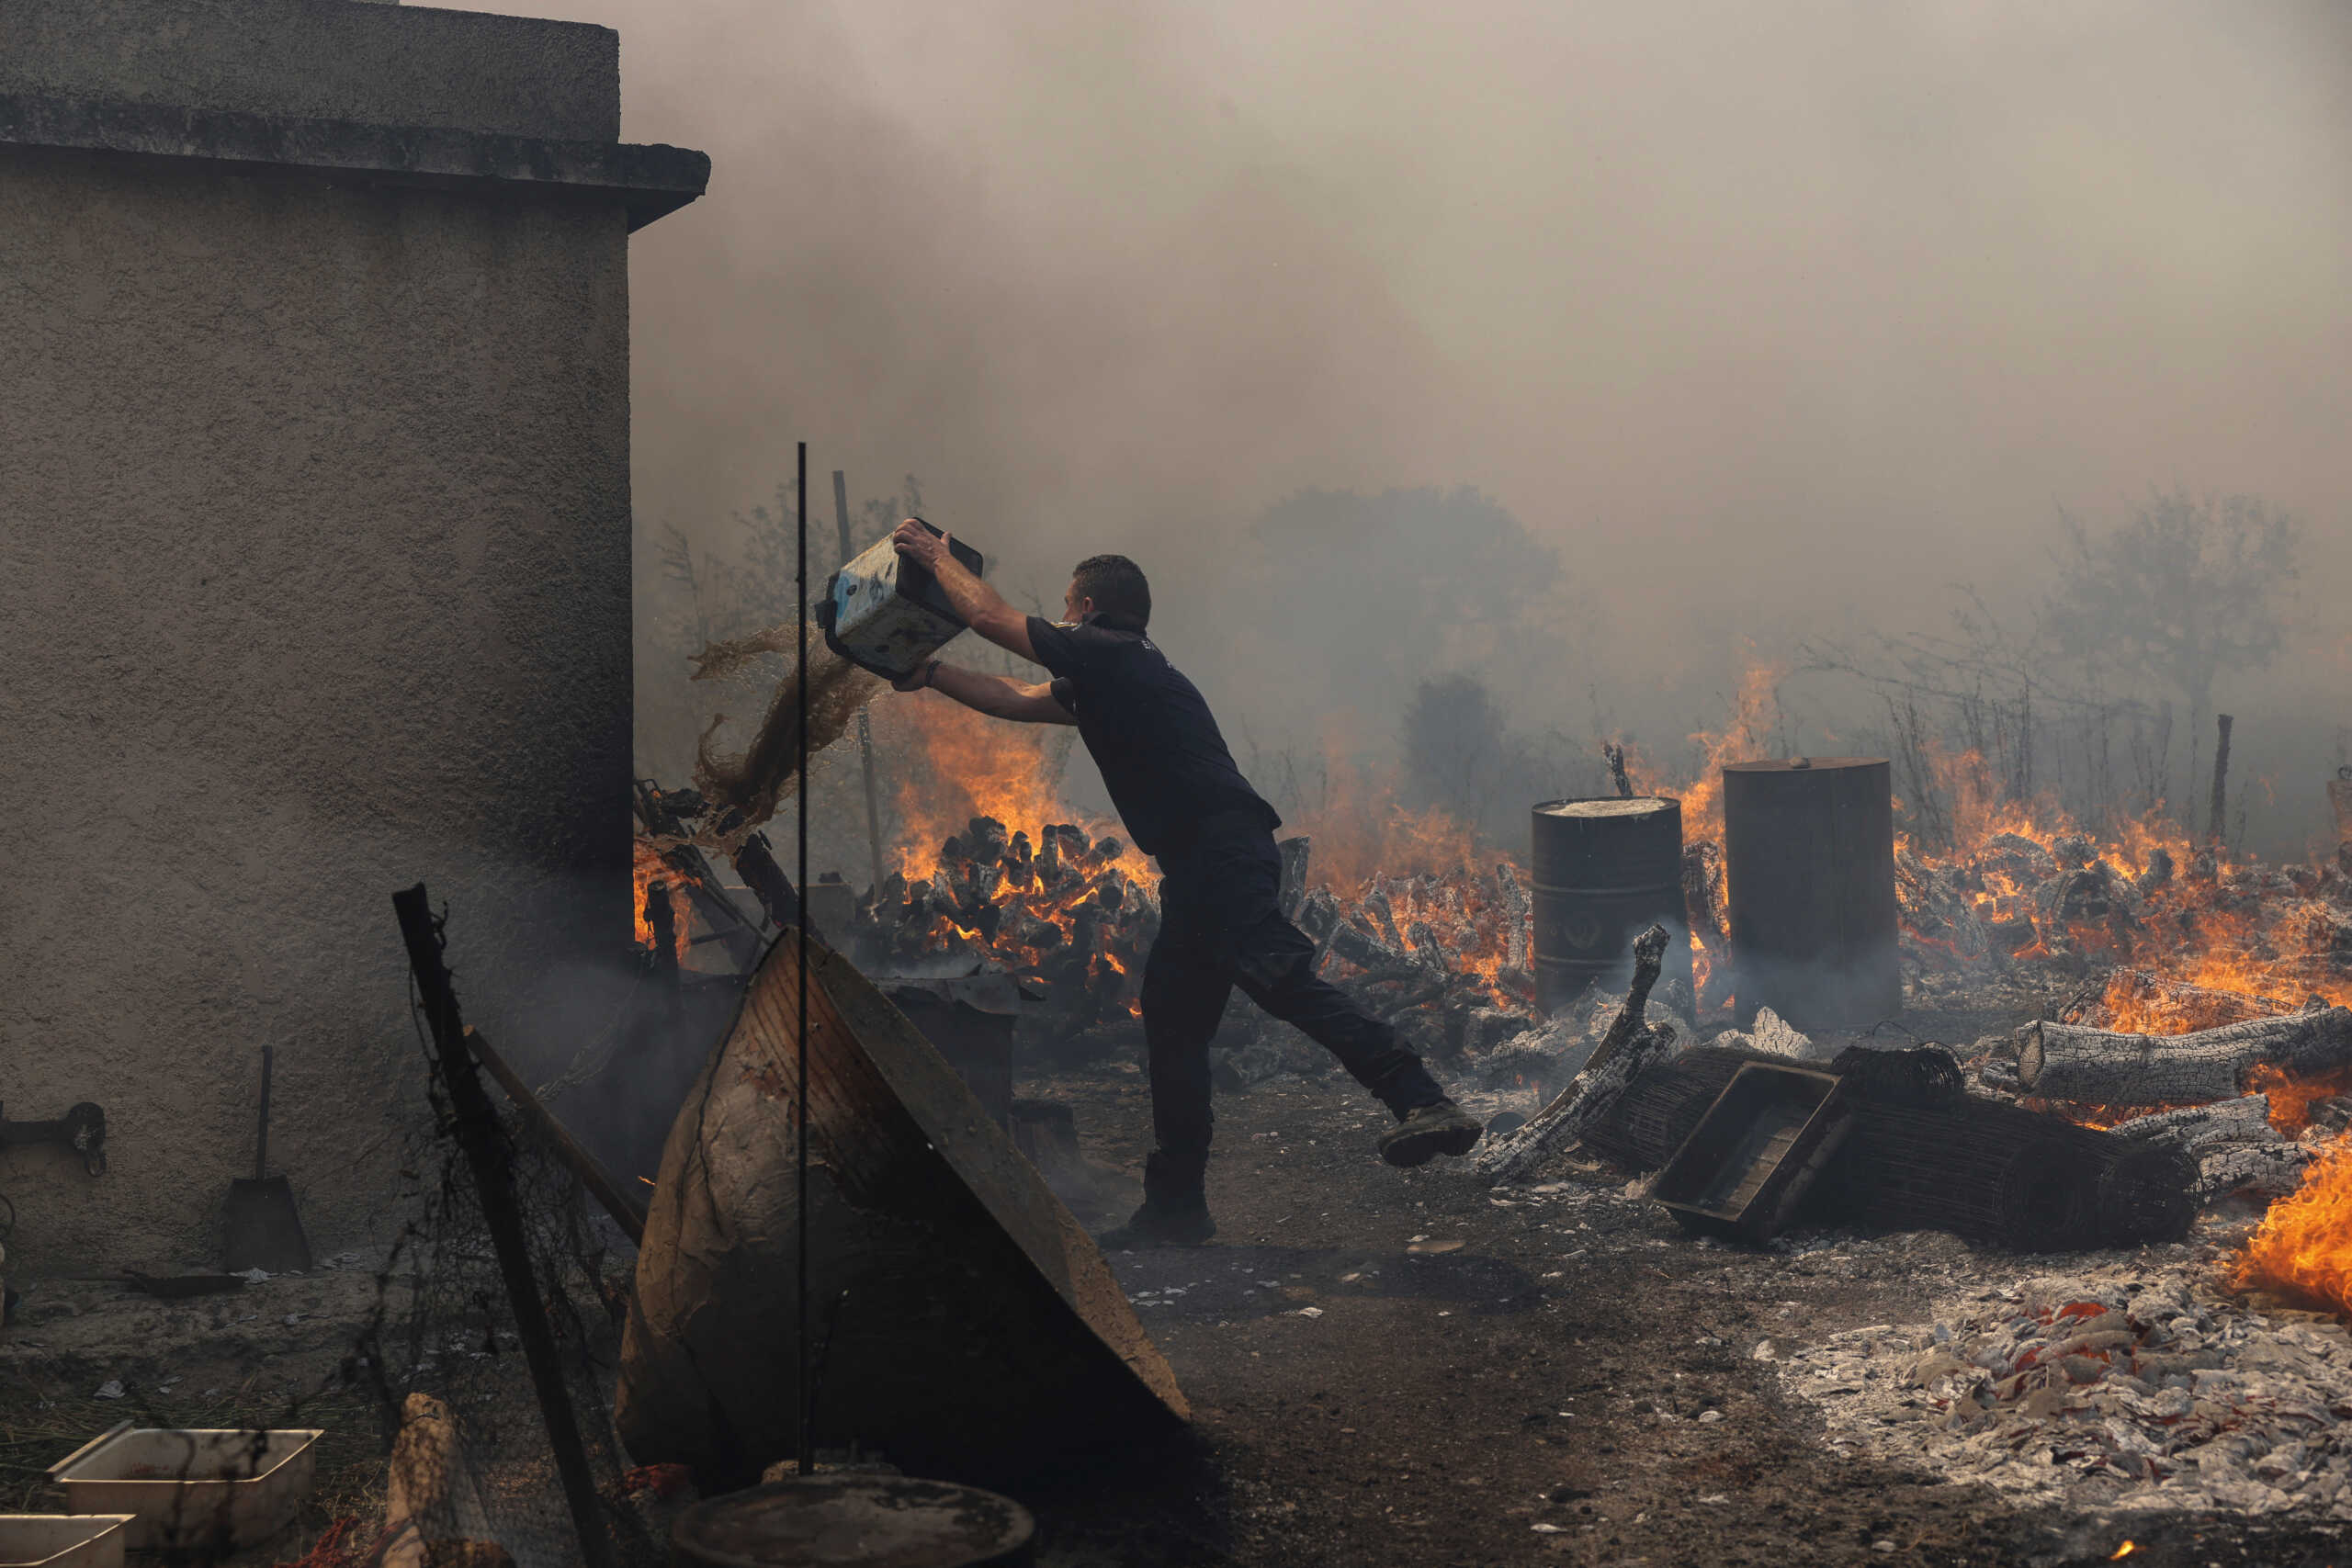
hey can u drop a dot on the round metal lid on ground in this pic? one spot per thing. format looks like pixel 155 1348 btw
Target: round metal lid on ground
pixel 1607 805
pixel 855 1521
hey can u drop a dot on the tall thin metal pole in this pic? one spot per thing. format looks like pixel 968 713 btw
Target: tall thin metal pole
pixel 865 725
pixel 801 1034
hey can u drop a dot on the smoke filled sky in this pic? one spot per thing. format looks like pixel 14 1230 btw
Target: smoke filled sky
pixel 1777 316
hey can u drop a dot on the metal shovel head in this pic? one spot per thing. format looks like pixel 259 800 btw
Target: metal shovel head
pixel 263 1230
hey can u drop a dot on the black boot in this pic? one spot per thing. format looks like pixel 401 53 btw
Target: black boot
pixel 1175 1210
pixel 1427 1131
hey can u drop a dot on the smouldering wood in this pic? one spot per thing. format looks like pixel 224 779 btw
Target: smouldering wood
pixel 1624 1051
pixel 2063 1060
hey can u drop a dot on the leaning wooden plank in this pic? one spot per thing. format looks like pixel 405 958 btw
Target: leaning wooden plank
pixel 961 1322
pixel 579 1161
pixel 2062 1061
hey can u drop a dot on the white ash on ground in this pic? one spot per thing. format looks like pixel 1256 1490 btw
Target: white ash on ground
pixel 2113 1382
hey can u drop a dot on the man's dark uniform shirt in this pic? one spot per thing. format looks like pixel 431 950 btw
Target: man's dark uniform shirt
pixel 1185 804
pixel 1148 727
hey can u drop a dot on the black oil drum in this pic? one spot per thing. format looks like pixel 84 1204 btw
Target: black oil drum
pixel 853 1521
pixel 1606 869
pixel 1809 860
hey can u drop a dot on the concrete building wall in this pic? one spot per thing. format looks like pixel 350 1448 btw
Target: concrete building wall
pixel 321 59
pixel 314 582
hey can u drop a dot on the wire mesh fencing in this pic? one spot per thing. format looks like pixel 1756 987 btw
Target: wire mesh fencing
pixel 472 1475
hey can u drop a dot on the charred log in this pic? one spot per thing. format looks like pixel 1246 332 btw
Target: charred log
pixel 1649 960
pixel 1520 1154
pixel 2244 1119
pixel 2263 1170
pixel 2059 1061
pixel 1623 1053
pixel 1293 879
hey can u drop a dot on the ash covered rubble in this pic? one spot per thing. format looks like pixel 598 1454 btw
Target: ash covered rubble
pixel 2140 1136
pixel 2134 1384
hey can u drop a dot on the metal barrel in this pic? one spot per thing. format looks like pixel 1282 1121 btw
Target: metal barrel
pixel 1809 862
pixel 1605 869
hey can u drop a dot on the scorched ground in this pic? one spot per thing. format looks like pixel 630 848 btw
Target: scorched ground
pixel 1543 1376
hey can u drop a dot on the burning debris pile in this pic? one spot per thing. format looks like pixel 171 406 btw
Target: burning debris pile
pixel 2192 940
pixel 1070 916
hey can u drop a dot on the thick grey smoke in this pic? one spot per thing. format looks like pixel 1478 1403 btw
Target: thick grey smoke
pixel 1772 320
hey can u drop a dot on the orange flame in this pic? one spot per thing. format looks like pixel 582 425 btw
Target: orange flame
pixel 2291 1099
pixel 648 868
pixel 1743 739
pixel 977 766
pixel 1363 833
pixel 2304 1246
pixel 2207 944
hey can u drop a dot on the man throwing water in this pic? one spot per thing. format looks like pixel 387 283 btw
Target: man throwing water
pixel 1187 805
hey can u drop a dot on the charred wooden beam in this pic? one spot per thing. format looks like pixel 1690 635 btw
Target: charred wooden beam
pixel 1520 1154
pixel 2216 817
pixel 1293 878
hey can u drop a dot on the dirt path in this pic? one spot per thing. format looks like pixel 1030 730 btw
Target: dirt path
pixel 1576 1382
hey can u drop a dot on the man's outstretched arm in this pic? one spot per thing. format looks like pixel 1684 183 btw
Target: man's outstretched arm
pixel 992 694
pixel 982 606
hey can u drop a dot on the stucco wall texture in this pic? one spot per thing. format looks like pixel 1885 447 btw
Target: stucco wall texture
pixel 321 59
pixel 314 582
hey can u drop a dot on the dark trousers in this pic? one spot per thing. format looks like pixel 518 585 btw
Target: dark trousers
pixel 1221 926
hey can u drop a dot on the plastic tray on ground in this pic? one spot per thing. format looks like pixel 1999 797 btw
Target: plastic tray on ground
pixel 193 1490
pixel 1750 1158
pixel 62 1541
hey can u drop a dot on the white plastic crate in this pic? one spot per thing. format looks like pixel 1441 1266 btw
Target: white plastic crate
pixel 204 1490
pixel 62 1541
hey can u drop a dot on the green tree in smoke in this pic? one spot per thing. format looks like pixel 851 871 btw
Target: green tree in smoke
pixel 1458 749
pixel 2186 593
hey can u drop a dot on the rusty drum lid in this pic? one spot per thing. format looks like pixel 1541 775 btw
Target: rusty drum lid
pixel 855 1521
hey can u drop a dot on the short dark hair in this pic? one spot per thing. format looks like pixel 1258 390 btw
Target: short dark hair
pixel 1117 585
